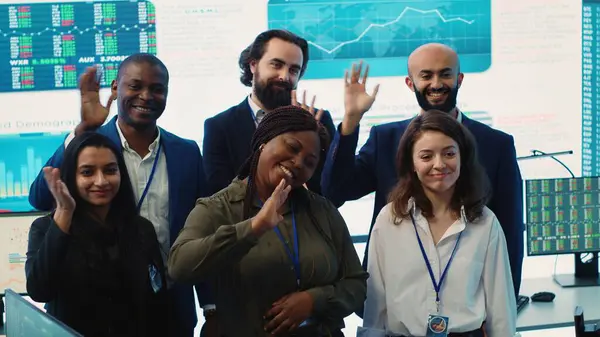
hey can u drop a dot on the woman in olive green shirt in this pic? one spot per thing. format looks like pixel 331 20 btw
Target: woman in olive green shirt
pixel 279 257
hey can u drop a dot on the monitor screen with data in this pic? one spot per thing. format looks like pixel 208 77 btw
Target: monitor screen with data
pixel 563 215
pixel 14 237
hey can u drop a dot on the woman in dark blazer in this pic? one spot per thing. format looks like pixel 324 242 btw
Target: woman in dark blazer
pixel 93 260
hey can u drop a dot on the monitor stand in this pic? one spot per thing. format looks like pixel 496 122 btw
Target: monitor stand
pixel 586 273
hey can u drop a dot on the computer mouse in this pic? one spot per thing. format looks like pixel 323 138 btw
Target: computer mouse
pixel 543 296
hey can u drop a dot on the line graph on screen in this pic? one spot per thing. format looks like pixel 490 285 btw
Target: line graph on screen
pixel 384 33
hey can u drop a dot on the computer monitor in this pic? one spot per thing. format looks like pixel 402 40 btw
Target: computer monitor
pixel 563 217
pixel 25 319
pixel 14 236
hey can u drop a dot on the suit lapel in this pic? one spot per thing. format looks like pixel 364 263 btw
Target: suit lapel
pixel 110 131
pixel 469 124
pixel 466 121
pixel 243 128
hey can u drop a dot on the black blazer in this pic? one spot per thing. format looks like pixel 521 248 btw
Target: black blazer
pixel 96 281
pixel 226 146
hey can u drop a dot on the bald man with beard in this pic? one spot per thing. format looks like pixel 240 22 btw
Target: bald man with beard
pixel 434 76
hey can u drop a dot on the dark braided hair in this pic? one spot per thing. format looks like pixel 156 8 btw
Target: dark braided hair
pixel 279 121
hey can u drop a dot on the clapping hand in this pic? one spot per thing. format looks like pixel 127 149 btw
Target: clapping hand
pixel 65 204
pixel 93 113
pixel 311 109
pixel 269 215
pixel 64 200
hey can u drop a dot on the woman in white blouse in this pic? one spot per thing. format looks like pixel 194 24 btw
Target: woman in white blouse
pixel 438 261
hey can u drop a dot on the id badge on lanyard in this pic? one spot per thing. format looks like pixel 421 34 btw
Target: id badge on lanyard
pixel 437 325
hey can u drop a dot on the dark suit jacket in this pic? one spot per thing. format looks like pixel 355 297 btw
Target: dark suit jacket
pixel 349 177
pixel 226 146
pixel 186 184
pixel 94 289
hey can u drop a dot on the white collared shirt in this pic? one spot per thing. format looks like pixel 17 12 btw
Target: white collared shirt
pixel 478 285
pixel 156 203
pixel 257 112
pixel 458 115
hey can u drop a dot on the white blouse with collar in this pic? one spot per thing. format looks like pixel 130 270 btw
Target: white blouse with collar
pixel 478 286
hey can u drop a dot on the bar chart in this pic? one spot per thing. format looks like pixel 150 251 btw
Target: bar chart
pixel 21 159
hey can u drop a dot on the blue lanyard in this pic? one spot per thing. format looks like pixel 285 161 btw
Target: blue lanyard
pixel 436 286
pixel 294 256
pixel 139 205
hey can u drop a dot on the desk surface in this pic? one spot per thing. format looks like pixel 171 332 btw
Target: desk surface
pixel 558 313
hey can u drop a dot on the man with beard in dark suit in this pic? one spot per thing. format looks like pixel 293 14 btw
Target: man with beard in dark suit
pixel 272 66
pixel 434 76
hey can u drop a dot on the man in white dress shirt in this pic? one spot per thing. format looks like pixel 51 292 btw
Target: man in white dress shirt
pixel 165 187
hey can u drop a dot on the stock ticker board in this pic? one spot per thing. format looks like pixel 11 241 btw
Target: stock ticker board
pixel 46 46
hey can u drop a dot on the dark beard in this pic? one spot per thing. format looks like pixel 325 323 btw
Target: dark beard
pixel 447 106
pixel 274 94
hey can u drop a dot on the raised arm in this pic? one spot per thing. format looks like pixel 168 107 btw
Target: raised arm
pixel 206 245
pixel 344 176
pixel 93 115
pixel 48 242
pixel 347 176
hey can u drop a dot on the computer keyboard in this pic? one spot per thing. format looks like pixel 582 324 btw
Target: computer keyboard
pixel 521 302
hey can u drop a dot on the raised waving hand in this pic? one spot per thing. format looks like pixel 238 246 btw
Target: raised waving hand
pixel 356 99
pixel 93 113
pixel 269 215
pixel 311 109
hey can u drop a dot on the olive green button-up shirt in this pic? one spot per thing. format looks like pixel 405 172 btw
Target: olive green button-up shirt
pixel 248 273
